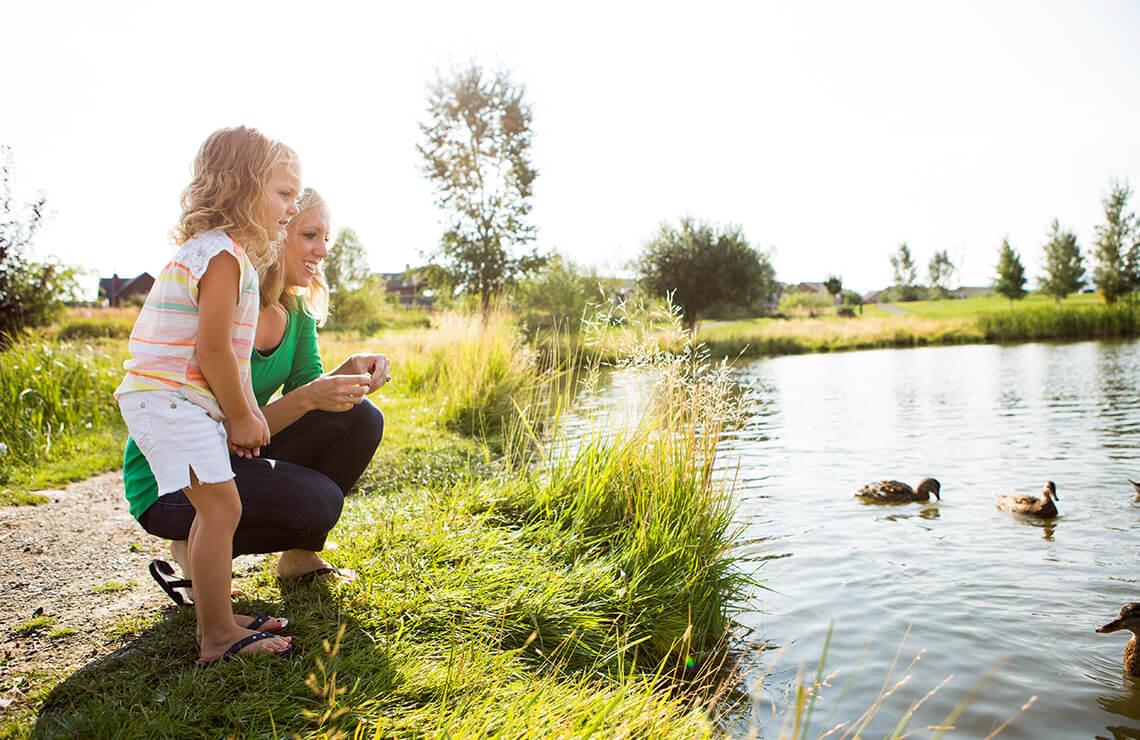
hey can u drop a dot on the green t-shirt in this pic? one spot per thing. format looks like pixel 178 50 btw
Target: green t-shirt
pixel 295 361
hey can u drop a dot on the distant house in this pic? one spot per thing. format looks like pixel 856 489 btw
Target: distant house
pixel 115 291
pixel 808 288
pixel 410 288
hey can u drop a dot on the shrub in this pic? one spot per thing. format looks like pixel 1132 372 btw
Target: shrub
pixel 806 302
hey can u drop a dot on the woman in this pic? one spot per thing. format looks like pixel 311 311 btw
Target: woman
pixel 324 431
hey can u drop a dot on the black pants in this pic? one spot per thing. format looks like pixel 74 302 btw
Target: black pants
pixel 292 495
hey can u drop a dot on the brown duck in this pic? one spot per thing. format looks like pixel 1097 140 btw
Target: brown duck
pixel 890 491
pixel 1031 505
pixel 1127 619
pixel 1135 486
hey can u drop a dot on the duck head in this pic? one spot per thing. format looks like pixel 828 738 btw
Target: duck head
pixel 1049 491
pixel 928 486
pixel 1127 619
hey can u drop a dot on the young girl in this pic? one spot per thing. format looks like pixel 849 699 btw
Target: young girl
pixel 186 397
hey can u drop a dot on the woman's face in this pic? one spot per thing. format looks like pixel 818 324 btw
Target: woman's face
pixel 306 244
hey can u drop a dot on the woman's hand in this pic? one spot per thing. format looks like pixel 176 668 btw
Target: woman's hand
pixel 338 392
pixel 376 367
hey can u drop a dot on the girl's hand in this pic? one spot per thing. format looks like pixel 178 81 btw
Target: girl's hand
pixel 246 434
pixel 377 367
pixel 338 392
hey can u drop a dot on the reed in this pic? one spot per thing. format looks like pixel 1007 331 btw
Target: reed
pixel 53 397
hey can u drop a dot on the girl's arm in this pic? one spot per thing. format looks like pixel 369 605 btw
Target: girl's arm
pixel 217 298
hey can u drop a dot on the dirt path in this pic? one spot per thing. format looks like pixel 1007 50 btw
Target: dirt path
pixel 893 309
pixel 61 560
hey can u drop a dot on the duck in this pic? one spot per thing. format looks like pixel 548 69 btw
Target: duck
pixel 1135 486
pixel 897 491
pixel 1043 508
pixel 1128 618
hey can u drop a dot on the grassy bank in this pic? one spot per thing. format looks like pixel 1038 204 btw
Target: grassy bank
pixel 587 590
pixel 922 323
pixel 58 421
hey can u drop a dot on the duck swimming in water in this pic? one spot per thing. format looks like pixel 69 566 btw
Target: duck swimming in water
pixel 1031 505
pixel 1127 619
pixel 1135 486
pixel 892 491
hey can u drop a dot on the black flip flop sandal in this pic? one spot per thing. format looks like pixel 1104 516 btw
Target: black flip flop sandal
pixel 259 619
pixel 234 649
pixel 324 573
pixel 163 573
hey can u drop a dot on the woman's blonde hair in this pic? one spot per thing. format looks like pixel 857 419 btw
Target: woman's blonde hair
pixel 227 190
pixel 314 297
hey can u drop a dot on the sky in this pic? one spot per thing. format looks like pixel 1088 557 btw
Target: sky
pixel 828 131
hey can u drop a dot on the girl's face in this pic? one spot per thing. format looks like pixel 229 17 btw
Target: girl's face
pixel 280 201
pixel 306 244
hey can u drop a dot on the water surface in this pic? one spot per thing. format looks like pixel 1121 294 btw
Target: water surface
pixel 984 593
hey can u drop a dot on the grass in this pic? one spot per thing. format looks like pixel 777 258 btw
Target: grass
pixel 528 593
pixel 973 320
pixel 34 624
pixel 975 305
pixel 110 587
pixel 59 421
pixel 61 632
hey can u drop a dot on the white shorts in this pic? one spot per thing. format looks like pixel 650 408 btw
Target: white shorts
pixel 176 435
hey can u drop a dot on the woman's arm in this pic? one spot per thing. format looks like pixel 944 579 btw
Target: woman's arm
pixel 325 393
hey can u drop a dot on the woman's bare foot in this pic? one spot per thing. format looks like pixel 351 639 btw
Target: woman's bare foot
pixel 215 649
pixel 295 564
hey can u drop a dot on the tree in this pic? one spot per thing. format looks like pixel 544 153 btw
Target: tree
pixel 701 265
pixel 1010 273
pixel 834 286
pixel 906 274
pixel 346 264
pixel 557 296
pixel 1117 249
pixel 940 270
pixel 476 150
pixel 1064 266
pixel 31 293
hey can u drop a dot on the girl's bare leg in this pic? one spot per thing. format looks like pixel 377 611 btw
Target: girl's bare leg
pixel 217 510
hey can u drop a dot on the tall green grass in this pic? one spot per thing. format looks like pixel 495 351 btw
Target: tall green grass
pixel 1101 321
pixel 54 397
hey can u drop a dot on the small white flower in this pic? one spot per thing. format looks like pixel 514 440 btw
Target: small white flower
pixel 3 449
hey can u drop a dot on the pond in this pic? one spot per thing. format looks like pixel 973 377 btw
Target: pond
pixel 1004 607
pixel 987 595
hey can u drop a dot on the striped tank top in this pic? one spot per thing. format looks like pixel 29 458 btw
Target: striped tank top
pixel 163 341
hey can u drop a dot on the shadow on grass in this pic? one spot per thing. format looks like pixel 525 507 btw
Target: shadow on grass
pixel 154 687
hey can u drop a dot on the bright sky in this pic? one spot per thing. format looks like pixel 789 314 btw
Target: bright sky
pixel 829 131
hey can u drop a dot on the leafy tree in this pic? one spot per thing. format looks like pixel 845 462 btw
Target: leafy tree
pixel 702 265
pixel 941 270
pixel 906 274
pixel 346 264
pixel 31 293
pixel 1064 266
pixel 1117 249
pixel 834 286
pixel 476 150
pixel 1010 273
pixel 557 295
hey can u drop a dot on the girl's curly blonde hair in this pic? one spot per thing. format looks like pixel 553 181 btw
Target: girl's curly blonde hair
pixel 314 297
pixel 228 188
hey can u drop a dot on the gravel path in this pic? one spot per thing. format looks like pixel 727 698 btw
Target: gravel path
pixel 893 309
pixel 61 561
